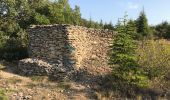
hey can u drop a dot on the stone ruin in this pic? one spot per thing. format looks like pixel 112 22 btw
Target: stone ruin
pixel 58 50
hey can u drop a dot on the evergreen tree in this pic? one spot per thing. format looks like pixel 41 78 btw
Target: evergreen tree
pixel 126 69
pixel 163 30
pixel 90 23
pixel 101 23
pixel 76 16
pixel 133 30
pixel 142 26
pixel 109 26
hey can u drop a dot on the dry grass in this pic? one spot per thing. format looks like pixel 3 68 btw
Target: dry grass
pixel 12 85
pixel 2 66
pixel 37 88
pixel 154 56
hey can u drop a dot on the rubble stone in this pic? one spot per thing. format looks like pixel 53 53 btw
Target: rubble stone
pixel 61 48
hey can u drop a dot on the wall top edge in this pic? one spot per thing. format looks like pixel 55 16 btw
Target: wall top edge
pixel 66 26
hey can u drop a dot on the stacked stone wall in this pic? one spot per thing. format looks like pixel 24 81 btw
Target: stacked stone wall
pixel 73 47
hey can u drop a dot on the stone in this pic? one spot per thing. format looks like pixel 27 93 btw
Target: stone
pixel 49 53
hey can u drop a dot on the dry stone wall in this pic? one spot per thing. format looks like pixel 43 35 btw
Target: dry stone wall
pixel 66 47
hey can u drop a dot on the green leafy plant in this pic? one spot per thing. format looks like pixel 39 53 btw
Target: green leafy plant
pixel 2 95
pixel 41 19
pixel 154 57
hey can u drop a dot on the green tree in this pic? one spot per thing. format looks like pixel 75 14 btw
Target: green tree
pixel 67 11
pixel 41 19
pixel 109 26
pixel 12 12
pixel 125 68
pixel 90 23
pixel 133 30
pixel 76 15
pixel 56 13
pixel 142 26
pixel 17 15
pixel 101 23
pixel 163 30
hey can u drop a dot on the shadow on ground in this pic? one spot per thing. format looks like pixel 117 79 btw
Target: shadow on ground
pixel 81 82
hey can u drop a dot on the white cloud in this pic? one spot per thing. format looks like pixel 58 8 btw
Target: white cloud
pixel 132 5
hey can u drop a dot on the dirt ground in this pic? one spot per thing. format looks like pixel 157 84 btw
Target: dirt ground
pixel 82 86
pixel 87 84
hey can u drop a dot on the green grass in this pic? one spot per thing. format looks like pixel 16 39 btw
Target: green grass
pixel 3 95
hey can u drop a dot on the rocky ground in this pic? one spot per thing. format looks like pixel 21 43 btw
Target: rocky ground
pixel 89 83
pixel 81 86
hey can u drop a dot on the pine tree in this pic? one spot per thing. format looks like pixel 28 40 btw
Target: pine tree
pixel 132 24
pixel 90 23
pixel 76 16
pixel 126 70
pixel 163 30
pixel 109 26
pixel 142 26
pixel 101 23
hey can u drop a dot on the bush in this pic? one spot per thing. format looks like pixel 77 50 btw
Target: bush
pixel 41 19
pixel 2 95
pixel 12 49
pixel 154 57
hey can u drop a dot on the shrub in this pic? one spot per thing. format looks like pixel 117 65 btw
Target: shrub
pixel 154 57
pixel 41 19
pixel 2 95
pixel 12 49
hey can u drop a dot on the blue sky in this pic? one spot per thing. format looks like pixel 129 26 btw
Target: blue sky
pixel 110 10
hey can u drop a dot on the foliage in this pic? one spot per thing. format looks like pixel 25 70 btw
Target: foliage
pixel 108 26
pixel 17 15
pixel 163 30
pixel 133 29
pixel 126 69
pixel 154 57
pixel 142 26
pixel 12 49
pixel 56 13
pixel 41 19
pixel 2 95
